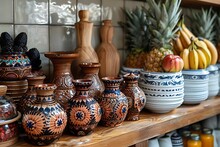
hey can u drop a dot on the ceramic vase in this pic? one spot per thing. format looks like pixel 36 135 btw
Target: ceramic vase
pixel 30 96
pixel 8 120
pixel 90 71
pixel 84 35
pixel 107 53
pixel 83 111
pixel 14 66
pixel 45 120
pixel 135 95
pixel 113 102
pixel 62 75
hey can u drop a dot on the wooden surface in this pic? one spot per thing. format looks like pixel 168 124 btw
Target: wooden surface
pixel 201 3
pixel 150 125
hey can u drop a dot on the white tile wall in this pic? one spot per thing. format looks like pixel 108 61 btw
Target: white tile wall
pixel 49 24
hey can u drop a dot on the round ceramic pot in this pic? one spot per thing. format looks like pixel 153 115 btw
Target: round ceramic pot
pixel 196 83
pixel 113 102
pixel 8 119
pixel 84 112
pixel 164 91
pixel 90 71
pixel 14 66
pixel 45 120
pixel 135 95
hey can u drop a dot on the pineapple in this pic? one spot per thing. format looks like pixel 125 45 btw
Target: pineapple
pixel 136 37
pixel 163 18
pixel 203 23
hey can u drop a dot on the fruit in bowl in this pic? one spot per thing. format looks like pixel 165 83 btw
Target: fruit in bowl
pixel 172 63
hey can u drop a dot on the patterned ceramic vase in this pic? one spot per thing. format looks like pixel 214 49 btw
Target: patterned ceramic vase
pixel 62 75
pixel 135 95
pixel 14 66
pixel 90 71
pixel 45 120
pixel 30 96
pixel 84 112
pixel 113 102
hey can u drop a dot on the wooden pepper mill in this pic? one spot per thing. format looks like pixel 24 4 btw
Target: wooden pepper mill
pixel 108 54
pixel 84 34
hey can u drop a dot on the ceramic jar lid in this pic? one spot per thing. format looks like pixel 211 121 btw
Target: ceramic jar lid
pixel 7 108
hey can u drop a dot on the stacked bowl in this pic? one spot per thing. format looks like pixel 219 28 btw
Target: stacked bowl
pixel 164 91
pixel 213 80
pixel 16 89
pixel 195 86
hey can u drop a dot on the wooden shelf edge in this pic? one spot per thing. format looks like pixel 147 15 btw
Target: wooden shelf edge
pixel 150 125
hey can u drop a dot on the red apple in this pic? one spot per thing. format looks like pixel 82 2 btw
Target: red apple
pixel 172 63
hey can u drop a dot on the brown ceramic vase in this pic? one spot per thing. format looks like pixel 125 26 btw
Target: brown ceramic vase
pixel 30 96
pixel 107 53
pixel 135 95
pixel 113 102
pixel 90 71
pixel 83 111
pixel 62 75
pixel 45 120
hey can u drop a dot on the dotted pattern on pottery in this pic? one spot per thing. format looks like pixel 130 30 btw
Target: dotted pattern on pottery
pixel 164 95
pixel 163 90
pixel 14 73
pixel 14 60
pixel 47 87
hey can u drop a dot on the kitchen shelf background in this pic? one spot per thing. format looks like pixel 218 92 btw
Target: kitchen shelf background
pixel 49 24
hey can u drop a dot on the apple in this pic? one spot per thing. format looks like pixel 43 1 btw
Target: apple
pixel 172 63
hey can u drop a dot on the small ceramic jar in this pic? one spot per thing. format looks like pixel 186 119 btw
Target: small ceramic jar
pixel 8 120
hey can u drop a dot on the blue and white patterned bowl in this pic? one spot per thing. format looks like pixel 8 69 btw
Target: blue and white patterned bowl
pixel 129 70
pixel 195 86
pixel 161 86
pixel 213 80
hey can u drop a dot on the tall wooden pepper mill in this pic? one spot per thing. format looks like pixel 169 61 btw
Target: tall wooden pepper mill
pixel 107 52
pixel 84 35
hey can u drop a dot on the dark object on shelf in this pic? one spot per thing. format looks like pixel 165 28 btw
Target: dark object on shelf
pixel 34 56
pixel 45 120
pixel 84 112
pixel 20 43
pixel 6 43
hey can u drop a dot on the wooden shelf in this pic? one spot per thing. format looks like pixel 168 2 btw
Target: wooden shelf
pixel 201 3
pixel 150 125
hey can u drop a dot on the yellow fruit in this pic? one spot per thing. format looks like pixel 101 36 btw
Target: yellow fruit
pixel 202 46
pixel 193 59
pixel 212 50
pixel 185 40
pixel 185 56
pixel 187 31
pixel 202 59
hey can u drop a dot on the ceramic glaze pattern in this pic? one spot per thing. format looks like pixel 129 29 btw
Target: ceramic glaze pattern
pixel 113 102
pixel 163 83
pixel 155 76
pixel 14 66
pixel 135 95
pixel 83 111
pixel 45 120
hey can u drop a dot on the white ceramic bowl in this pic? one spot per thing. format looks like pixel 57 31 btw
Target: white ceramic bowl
pixel 129 70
